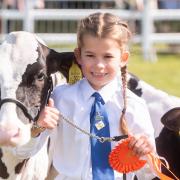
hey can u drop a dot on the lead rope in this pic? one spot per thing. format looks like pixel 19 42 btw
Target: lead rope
pixel 100 139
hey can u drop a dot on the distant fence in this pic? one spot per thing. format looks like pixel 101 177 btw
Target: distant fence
pixel 28 19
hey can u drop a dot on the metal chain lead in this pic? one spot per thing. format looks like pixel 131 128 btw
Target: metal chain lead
pixel 101 139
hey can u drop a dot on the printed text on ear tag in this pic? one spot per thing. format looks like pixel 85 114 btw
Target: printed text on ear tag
pixel 75 74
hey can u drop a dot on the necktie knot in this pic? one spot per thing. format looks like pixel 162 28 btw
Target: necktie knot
pixel 98 98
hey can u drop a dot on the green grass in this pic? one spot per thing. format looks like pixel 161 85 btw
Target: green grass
pixel 163 74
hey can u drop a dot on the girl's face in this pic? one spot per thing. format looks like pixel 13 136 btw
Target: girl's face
pixel 100 60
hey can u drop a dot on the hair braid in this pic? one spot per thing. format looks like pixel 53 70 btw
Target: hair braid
pixel 123 124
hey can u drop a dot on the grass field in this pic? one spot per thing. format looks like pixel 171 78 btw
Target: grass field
pixel 163 74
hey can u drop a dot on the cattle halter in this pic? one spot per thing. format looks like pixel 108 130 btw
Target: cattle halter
pixel 23 107
pixel 19 104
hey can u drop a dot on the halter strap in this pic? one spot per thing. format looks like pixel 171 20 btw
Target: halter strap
pixel 23 107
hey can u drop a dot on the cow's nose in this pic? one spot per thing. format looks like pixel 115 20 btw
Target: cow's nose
pixel 13 132
pixel 7 134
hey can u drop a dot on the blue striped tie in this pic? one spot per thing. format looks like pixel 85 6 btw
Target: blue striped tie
pixel 100 151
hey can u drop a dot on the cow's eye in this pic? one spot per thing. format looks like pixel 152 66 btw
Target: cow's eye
pixel 40 76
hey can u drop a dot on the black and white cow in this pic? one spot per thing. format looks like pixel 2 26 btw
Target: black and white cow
pixel 25 67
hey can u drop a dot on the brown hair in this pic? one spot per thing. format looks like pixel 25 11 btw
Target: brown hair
pixel 106 25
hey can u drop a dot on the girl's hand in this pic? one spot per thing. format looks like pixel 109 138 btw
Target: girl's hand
pixel 48 119
pixel 49 116
pixel 140 145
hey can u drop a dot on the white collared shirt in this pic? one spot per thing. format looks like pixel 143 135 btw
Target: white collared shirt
pixel 72 153
pixel 72 156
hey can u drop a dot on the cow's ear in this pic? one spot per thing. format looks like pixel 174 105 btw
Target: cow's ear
pixel 75 73
pixel 171 119
pixel 45 50
pixel 59 62
pixel 77 53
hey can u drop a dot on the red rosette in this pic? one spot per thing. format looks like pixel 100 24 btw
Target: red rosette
pixel 123 160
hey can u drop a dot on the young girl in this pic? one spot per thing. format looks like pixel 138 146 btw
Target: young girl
pixel 102 54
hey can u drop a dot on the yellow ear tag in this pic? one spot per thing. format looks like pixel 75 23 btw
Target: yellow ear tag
pixel 75 74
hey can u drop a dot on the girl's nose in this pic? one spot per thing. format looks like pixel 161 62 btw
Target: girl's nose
pixel 100 63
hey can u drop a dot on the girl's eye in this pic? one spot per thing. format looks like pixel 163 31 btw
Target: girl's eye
pixel 89 55
pixel 109 57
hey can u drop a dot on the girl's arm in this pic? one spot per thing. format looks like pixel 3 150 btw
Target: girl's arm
pixel 48 120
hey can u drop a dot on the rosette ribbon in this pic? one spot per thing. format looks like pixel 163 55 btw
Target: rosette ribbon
pixel 123 160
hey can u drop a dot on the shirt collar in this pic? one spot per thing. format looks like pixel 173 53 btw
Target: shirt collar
pixel 106 92
pixel 86 89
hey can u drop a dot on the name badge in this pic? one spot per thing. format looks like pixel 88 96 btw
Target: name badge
pixel 99 125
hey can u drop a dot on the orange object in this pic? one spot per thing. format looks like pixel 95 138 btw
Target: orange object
pixel 123 160
pixel 155 163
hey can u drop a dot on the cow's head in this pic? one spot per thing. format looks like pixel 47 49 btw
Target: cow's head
pixel 25 65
